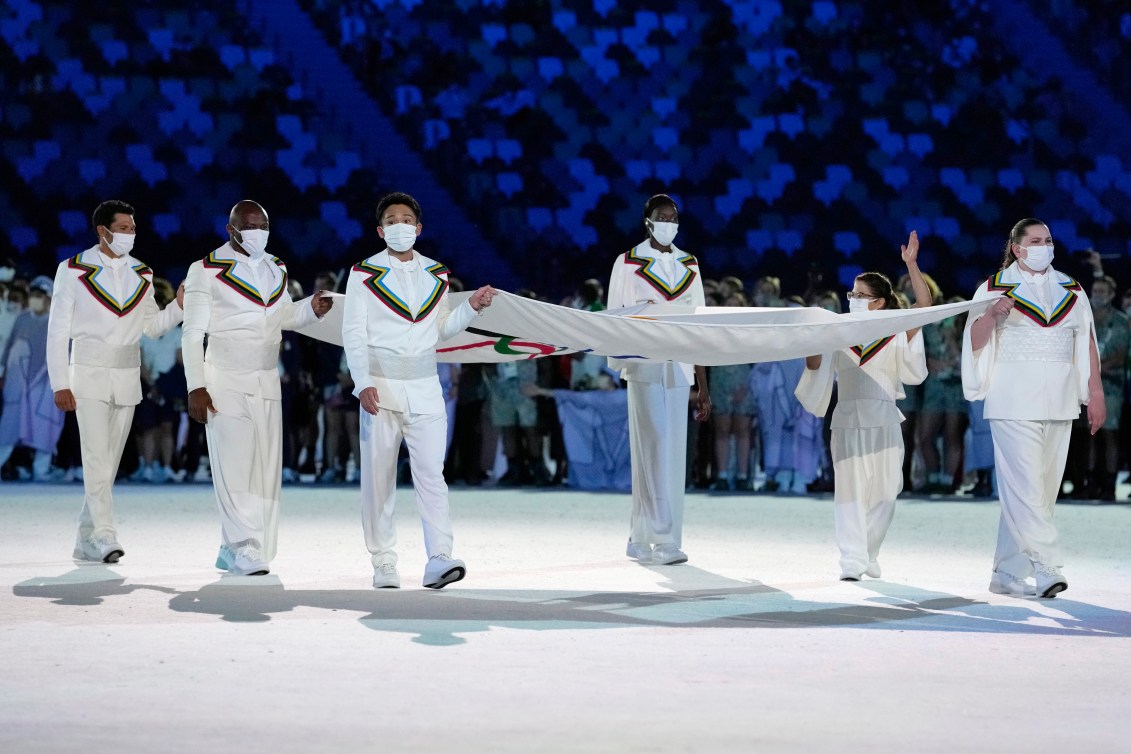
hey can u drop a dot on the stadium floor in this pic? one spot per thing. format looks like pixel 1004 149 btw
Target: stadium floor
pixel 555 641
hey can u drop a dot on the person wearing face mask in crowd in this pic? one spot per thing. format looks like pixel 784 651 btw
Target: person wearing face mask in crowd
pixel 396 310
pixel 12 305
pixel 29 417
pixel 1032 355
pixel 104 302
pixel 1094 460
pixel 657 271
pixel 867 444
pixel 238 296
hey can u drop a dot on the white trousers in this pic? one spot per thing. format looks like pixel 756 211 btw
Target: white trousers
pixel 868 469
pixel 103 429
pixel 245 451
pixel 1030 458
pixel 657 433
pixel 426 436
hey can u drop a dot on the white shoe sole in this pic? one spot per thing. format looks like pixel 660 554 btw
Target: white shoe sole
pixel 995 589
pixel 670 560
pixel 111 557
pixel 450 576
pixel 1054 589
pixel 387 583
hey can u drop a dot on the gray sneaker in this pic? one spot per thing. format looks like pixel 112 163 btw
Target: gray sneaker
pixel 638 552
pixel 385 576
pixel 248 561
pixel 1006 583
pixel 443 570
pixel 100 549
pixel 668 555
pixel 1050 581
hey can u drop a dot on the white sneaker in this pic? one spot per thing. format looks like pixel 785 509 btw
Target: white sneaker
pixel 873 569
pixel 1050 581
pixel 385 576
pixel 224 558
pixel 248 561
pixel 443 570
pixel 668 555
pixel 638 552
pixel 101 549
pixel 1006 583
pixel 851 575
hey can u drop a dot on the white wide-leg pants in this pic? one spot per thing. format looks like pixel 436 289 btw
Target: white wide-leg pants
pixel 868 470
pixel 426 436
pixel 103 429
pixel 1030 458
pixel 657 433
pixel 245 451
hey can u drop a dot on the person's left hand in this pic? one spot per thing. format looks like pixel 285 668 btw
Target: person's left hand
pixel 910 252
pixel 1097 411
pixel 481 299
pixel 181 295
pixel 702 404
pixel 321 303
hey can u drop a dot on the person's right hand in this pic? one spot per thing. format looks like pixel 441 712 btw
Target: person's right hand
pixel 368 398
pixel 200 405
pixel 64 400
pixel 1001 308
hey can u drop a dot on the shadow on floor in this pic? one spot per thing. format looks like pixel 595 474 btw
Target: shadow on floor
pixel 698 599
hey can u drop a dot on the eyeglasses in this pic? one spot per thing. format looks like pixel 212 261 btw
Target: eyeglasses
pixel 854 296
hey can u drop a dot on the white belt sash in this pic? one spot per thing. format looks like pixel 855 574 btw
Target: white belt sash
pixel 92 353
pixel 241 355
pixel 394 366
pixel 1035 344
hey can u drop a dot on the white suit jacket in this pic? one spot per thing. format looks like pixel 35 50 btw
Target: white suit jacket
pixel 1051 381
pixel 871 380
pixel 223 302
pixel 639 276
pixel 378 325
pixel 84 308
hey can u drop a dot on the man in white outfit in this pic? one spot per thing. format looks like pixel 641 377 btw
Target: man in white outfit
pixel 103 303
pixel 396 310
pixel 238 297
pixel 1032 356
pixel 656 271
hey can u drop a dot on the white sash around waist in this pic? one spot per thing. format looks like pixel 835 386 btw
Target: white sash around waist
pixel 1035 344
pixel 241 355
pixel 395 366
pixel 92 353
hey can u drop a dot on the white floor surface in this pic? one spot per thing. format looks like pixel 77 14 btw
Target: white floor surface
pixel 556 642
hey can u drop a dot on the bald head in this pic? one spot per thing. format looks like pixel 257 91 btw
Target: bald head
pixel 247 215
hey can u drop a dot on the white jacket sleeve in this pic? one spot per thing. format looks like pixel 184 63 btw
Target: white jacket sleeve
pixel 355 333
pixel 451 322
pixel 912 359
pixel 617 295
pixel 198 311
pixel 815 388
pixel 160 321
pixel 1082 352
pixel 978 366
pixel 299 313
pixel 59 330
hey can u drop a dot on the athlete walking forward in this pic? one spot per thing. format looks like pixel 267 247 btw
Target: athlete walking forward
pixel 238 297
pixel 1032 356
pixel 102 304
pixel 396 310
pixel 867 442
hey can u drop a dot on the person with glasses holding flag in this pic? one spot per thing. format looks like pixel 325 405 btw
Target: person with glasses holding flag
pixel 867 443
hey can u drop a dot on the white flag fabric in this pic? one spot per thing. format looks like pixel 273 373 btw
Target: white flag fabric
pixel 514 328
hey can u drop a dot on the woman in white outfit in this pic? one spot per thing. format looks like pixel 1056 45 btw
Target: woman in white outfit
pixel 867 443
pixel 1032 357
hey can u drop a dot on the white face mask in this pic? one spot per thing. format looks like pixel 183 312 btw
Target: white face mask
pixel 37 304
pixel 121 243
pixel 858 305
pixel 400 237
pixel 7 274
pixel 664 233
pixel 1038 258
pixel 254 242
